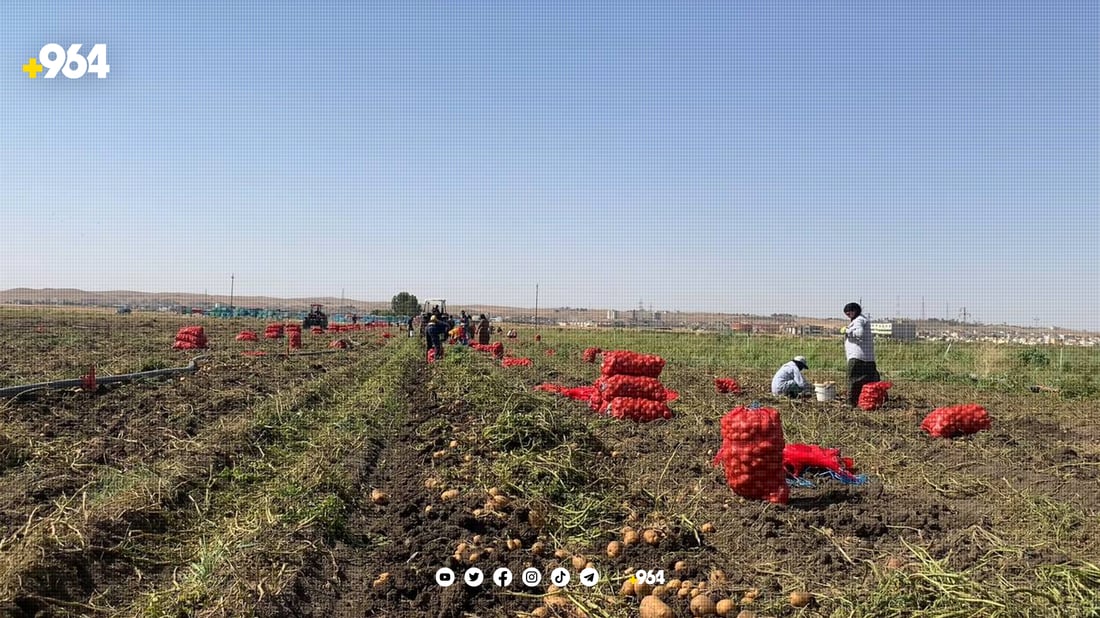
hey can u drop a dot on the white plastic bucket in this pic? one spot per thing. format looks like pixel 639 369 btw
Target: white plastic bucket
pixel 825 392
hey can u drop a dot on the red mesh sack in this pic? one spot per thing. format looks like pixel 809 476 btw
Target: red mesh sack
pixel 317 330
pixel 590 354
pixel 339 344
pixel 873 395
pixel 190 338
pixel 496 348
pixel 956 421
pixel 595 400
pixel 273 331
pixel 727 385
pixel 632 386
pixel 752 454
pixel 637 410
pixel 516 362
pixel 579 393
pixel 246 335
pixel 625 362
pixel 294 336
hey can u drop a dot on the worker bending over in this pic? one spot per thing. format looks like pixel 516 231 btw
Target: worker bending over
pixel 788 380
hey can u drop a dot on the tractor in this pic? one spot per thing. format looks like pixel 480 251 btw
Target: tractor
pixel 430 305
pixel 315 317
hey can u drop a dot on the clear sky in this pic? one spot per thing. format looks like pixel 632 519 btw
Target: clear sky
pixel 771 157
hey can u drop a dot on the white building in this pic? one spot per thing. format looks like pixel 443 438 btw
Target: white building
pixel 904 331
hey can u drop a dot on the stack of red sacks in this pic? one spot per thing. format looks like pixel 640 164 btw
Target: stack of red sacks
pixel 752 454
pixel 190 338
pixel 628 387
pixel 274 331
pixel 247 335
pixel 873 395
pixel 727 385
pixel 956 421
pixel 294 336
pixel 496 348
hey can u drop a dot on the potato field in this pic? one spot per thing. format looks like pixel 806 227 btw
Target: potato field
pixel 335 482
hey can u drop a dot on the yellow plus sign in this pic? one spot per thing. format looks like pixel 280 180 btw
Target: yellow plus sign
pixel 32 68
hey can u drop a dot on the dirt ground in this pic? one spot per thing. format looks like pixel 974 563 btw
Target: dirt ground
pixel 1006 517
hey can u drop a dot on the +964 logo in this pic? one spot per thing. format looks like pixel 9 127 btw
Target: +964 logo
pixel 71 63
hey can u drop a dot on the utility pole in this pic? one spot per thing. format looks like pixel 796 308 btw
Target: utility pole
pixel 536 305
pixel 231 281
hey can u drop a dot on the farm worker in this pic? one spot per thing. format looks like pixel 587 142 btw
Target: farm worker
pixel 467 330
pixel 859 348
pixel 484 330
pixel 788 380
pixel 436 331
pixel 410 324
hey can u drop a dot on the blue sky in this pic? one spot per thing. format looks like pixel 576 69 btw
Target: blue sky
pixel 742 157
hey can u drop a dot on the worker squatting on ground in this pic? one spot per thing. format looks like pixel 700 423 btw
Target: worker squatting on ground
pixel 789 380
pixel 859 348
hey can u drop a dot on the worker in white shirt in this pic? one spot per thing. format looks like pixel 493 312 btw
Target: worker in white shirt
pixel 789 381
pixel 859 348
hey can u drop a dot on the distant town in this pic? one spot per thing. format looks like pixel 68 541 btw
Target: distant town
pixel 564 317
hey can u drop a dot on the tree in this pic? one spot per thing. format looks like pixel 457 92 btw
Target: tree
pixel 405 304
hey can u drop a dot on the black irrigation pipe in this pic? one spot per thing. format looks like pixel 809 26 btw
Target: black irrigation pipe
pixel 15 391
pixel 193 366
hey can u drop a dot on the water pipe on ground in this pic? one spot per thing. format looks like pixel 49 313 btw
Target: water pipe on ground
pixel 15 391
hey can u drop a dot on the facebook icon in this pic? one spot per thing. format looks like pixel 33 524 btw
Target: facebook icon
pixel 502 577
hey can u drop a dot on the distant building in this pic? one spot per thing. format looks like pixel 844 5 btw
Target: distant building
pixel 902 331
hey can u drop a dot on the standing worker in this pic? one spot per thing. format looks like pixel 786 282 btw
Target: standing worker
pixel 484 330
pixel 859 348
pixel 436 332
pixel 789 380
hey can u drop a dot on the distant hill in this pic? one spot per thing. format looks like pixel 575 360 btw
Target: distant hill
pixel 53 296
pixel 551 315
